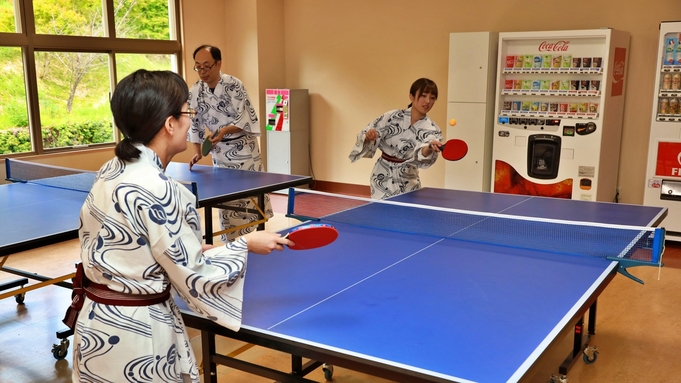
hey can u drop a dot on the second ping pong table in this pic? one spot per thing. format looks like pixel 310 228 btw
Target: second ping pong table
pixel 414 308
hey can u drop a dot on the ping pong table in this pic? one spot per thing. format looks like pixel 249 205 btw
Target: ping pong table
pixel 418 308
pixel 46 211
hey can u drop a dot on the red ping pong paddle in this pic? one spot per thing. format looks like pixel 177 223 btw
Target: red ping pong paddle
pixel 312 236
pixel 208 144
pixel 454 149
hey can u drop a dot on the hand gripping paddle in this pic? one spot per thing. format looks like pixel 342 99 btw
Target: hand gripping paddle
pixel 312 236
pixel 208 144
pixel 454 149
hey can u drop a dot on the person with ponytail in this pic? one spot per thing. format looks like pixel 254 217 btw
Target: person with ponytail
pixel 408 139
pixel 141 239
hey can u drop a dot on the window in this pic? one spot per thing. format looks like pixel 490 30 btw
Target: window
pixel 56 82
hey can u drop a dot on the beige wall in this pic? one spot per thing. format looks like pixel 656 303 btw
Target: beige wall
pixel 358 58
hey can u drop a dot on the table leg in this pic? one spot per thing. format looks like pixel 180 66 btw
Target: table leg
pixel 208 224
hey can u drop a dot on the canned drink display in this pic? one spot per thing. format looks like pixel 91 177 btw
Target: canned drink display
pixel 567 61
pixel 563 107
pixel 576 62
pixel 553 107
pixel 510 61
pixel 595 84
pixel 574 84
pixel 557 61
pixel 583 107
pixel 508 84
pixel 515 105
pixel 519 61
pixel 667 81
pixel 565 85
pixel 536 84
pixel 544 107
pixel 507 105
pixel 674 106
pixel 546 61
pixel 555 85
pixel 664 106
pixel 584 85
pixel 596 62
pixel 525 106
pixel 535 106
pixel 545 84
pixel 676 81
pixel 517 84
pixel 669 50
pixel 593 107
pixel 537 62
pixel 586 62
pixel 573 107
pixel 529 61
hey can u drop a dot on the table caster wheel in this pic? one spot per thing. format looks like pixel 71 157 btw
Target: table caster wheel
pixel 19 298
pixel 590 355
pixel 59 351
pixel 328 371
pixel 558 379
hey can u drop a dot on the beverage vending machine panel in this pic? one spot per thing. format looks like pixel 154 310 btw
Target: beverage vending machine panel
pixel 663 172
pixel 559 105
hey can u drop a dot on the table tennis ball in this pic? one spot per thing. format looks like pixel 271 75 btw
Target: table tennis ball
pixel 452 122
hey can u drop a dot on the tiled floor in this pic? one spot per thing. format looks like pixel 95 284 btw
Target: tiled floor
pixel 638 329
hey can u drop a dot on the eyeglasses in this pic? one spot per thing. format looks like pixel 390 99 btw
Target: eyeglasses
pixel 191 113
pixel 200 68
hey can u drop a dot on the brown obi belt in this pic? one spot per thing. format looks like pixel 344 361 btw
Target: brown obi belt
pixel 83 287
pixel 391 158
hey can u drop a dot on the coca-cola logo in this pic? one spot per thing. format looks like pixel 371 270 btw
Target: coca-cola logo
pixel 618 69
pixel 558 46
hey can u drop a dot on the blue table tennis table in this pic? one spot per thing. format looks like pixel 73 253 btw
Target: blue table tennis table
pixel 417 308
pixel 46 211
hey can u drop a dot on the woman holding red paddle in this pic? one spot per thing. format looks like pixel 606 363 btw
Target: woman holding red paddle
pixel 408 139
pixel 140 238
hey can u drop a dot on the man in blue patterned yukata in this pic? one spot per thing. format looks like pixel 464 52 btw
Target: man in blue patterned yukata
pixel 225 115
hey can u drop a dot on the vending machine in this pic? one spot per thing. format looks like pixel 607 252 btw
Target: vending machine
pixel 288 131
pixel 663 174
pixel 559 106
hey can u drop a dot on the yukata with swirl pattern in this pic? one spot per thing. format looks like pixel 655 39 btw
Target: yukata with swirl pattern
pixel 224 108
pixel 408 139
pixel 140 237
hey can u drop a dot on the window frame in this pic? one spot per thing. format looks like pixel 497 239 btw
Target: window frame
pixel 30 42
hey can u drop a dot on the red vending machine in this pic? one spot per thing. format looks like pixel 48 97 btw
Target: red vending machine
pixel 559 105
pixel 663 179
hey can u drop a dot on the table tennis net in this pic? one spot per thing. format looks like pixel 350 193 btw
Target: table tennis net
pixel 546 235
pixel 48 175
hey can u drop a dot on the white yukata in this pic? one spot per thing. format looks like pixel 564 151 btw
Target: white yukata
pixel 228 104
pixel 139 232
pixel 400 140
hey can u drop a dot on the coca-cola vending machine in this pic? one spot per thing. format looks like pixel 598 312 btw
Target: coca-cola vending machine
pixel 663 179
pixel 559 106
